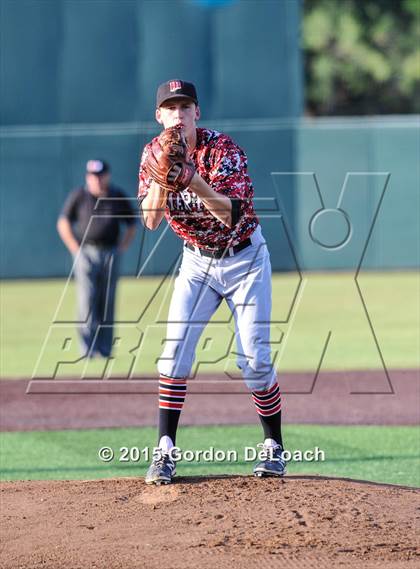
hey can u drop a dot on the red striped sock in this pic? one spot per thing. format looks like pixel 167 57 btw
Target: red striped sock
pixel 268 401
pixel 172 393
pixel 171 400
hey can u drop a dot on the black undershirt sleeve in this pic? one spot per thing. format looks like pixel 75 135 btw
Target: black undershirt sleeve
pixel 236 210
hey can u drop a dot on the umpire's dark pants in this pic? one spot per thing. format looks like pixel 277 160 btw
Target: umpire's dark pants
pixel 96 273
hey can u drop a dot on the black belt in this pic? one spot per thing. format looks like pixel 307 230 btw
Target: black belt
pixel 219 253
pixel 100 244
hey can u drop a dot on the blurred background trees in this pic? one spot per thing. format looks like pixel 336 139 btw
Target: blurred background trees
pixel 361 56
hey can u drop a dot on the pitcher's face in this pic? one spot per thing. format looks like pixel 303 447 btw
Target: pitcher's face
pixel 179 112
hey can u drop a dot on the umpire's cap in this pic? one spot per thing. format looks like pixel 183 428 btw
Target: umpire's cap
pixel 97 167
pixel 175 89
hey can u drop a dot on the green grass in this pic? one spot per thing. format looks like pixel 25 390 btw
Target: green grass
pixel 328 301
pixel 383 454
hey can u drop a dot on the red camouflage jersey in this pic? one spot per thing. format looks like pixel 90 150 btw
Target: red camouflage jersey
pixel 223 165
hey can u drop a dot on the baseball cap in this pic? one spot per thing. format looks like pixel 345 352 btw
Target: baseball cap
pixel 174 89
pixel 97 167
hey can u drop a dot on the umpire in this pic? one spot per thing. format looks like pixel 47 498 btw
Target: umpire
pixel 90 227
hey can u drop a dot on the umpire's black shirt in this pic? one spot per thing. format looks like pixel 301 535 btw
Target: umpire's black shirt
pixel 96 221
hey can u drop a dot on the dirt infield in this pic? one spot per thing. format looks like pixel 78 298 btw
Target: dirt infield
pixel 330 400
pixel 224 522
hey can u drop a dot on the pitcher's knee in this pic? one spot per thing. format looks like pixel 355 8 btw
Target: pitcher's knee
pixel 262 383
pixel 258 378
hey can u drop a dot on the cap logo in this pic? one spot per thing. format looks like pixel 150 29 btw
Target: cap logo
pixel 174 86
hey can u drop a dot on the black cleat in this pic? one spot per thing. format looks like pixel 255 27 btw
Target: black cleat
pixel 272 463
pixel 161 470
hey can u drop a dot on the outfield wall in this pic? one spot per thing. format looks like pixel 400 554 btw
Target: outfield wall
pixel 378 156
pixel 77 82
pixel 377 160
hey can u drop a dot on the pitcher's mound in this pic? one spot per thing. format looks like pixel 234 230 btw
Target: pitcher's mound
pixel 197 523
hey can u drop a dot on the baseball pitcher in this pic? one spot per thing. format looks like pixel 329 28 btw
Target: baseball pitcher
pixel 197 179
